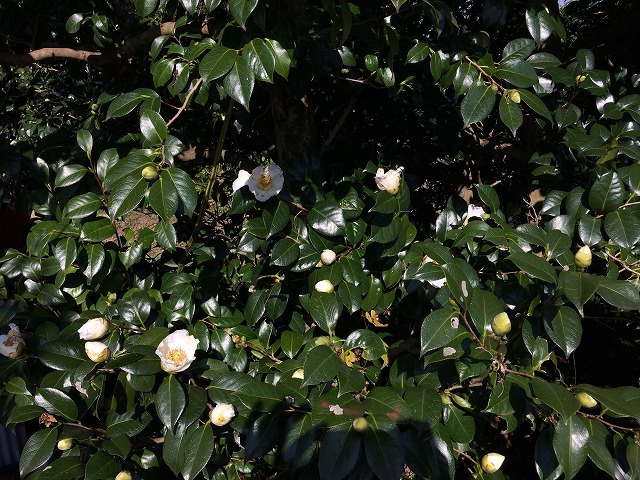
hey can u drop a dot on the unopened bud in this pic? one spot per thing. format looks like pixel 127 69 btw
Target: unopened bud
pixel 150 173
pixel 328 256
pixel 124 475
pixel 492 462
pixel 583 257
pixel 514 96
pixel 501 324
pixel 581 78
pixel 65 444
pixel 360 425
pixel 97 351
pixel 461 402
pixel 324 286
pixel 323 341
pixel 586 400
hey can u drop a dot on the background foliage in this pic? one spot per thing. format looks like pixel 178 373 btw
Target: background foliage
pixel 494 104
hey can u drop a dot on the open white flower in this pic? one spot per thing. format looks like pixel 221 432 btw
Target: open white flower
pixel 222 414
pixel 263 182
pixel 12 345
pixel 93 329
pixel 177 351
pixel 389 181
pixel 97 351
pixel 473 211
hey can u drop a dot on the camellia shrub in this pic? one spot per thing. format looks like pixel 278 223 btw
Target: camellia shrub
pixel 308 298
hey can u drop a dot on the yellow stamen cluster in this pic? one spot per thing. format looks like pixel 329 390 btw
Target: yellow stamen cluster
pixel 265 181
pixel 176 355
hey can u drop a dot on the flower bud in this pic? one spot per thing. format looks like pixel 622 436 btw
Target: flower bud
pixel 586 400
pixel 97 351
pixel 323 341
pixel 501 324
pixel 580 78
pixel 93 329
pixel 328 256
pixel 583 257
pixel 324 286
pixel 222 414
pixel 461 402
pixel 65 444
pixel 446 399
pixel 124 475
pixel 150 173
pixel 299 373
pixel 514 96
pixel 360 425
pixel 492 462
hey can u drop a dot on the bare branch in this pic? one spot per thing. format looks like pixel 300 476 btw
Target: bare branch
pixel 127 49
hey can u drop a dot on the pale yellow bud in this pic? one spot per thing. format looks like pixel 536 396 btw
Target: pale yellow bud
pixel 514 96
pixel 324 286
pixel 360 425
pixel 586 400
pixel 65 444
pixel 150 173
pixel 328 256
pixel 583 257
pixel 492 462
pixel 97 351
pixel 501 324
pixel 124 475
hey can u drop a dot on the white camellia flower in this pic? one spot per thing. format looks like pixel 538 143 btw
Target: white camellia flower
pixel 324 286
pixel 12 344
pixel 222 414
pixel 97 351
pixel 328 256
pixel 473 211
pixel 390 180
pixel 177 351
pixel 263 182
pixel 93 329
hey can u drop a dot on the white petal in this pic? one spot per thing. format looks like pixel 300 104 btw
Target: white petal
pixel 241 181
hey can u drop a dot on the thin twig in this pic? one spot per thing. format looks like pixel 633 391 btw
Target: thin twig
pixel 186 101
pixel 603 421
pixel 485 74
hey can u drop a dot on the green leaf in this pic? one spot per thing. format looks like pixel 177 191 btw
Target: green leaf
pixel 458 424
pixel 385 202
pixel 417 53
pixel 162 71
pixel 623 401
pixel 145 7
pixel 539 24
pixel 579 287
pixel 597 447
pixel 96 231
pixel 281 56
pixel 325 310
pixel 563 327
pixel 284 252
pixel 63 355
pixel 240 81
pixel 82 206
pixel 589 229
pixel 619 293
pixel 327 217
pixel 384 453
pixel 123 104
pixel 85 141
pixel 477 104
pixel 170 401
pixel 623 228
pixel 101 466
pixel 92 257
pixel 56 402
pixel 437 330
pixel 371 344
pixel 483 307
pixel 488 196
pixel 74 22
pixel 261 397
pixel 299 443
pixel 557 397
pixel 126 194
pixel 339 453
pixel 518 73
pixel 385 404
pixel 37 450
pixel 425 407
pixel 262 435
pixel 69 175
pixel 199 443
pixel 163 197
pixel 518 49
pixel 261 59
pixel 241 9
pixel 63 468
pixel 534 266
pixel 217 62
pixel 535 103
pixel 510 114
pixel 607 193
pixel 321 365
pixel 570 445
pixel 153 127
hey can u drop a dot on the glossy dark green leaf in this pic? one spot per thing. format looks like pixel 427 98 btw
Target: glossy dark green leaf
pixel 96 231
pixel 198 442
pixel 424 406
pixel 153 127
pixel 339 453
pixel 371 344
pixel 281 56
pixel 69 175
pixel 458 424
pixel 518 49
pixel 299 442
pixel 325 310
pixel 607 193
pixel 483 307
pixel 126 194
pixel 623 401
pixel 82 206
pixel 241 9
pixel 510 114
pixel 240 80
pixel 535 103
pixel 623 228
pixel 321 365
pixel 38 450
pixel 56 402
pixel 63 468
pixel 291 342
pixel 563 327
pixel 597 448
pixel 162 71
pixel 519 73
pixel 261 59
pixel 166 235
pixel 261 436
pixel 63 355
pixel 570 444
pixel 217 62
pixel 145 7
pixel 170 401
pixel 539 24
pixel 74 22
pixel 261 397
pixel 101 466
pixel 438 330
pixel 327 218
pixel 124 104
pixel 417 53
pixel 534 266
pixel 557 397
pixel 477 104
pixel 163 197
pixel 384 452
pixel 619 293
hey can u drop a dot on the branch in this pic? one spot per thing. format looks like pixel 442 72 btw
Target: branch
pixel 127 49
pixel 186 101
